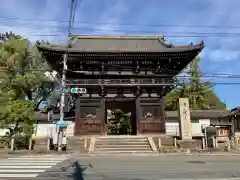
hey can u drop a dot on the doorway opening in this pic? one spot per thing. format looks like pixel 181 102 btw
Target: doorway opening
pixel 121 117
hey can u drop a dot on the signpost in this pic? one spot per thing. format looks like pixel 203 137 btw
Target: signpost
pixel 204 123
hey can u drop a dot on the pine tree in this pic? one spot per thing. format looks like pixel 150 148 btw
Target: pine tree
pixel 197 91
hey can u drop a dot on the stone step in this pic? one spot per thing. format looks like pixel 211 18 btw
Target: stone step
pixel 78 143
pixel 121 143
pixel 122 146
pixel 122 140
pixel 121 151
pixel 128 147
pixel 122 137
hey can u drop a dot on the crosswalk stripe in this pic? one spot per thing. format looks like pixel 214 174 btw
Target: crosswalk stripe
pixel 49 159
pixel 22 167
pixel 28 166
pixel 21 170
pixel 18 175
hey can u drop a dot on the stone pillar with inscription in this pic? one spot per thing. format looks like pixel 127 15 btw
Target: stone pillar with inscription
pixel 185 125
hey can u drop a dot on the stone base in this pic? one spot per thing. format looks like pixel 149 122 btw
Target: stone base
pixel 187 144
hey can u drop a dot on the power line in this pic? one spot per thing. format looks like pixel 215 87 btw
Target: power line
pixel 58 33
pixel 132 30
pixel 122 24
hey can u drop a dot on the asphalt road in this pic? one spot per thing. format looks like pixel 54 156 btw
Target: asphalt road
pixel 127 167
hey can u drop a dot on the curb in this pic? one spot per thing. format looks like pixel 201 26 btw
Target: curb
pixel 163 154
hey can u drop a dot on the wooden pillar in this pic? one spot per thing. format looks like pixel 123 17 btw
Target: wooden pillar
pixel 162 108
pixel 77 116
pixel 103 116
pixel 163 128
pixel 138 114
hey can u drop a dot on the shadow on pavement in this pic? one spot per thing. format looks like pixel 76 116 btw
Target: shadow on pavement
pixel 78 173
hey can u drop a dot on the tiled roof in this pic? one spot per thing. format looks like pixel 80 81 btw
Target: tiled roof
pixel 200 113
pixel 123 43
pixel 104 43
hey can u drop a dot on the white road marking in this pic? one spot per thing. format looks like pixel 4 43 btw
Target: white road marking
pixel 21 170
pixel 18 175
pixel 28 166
pixel 22 167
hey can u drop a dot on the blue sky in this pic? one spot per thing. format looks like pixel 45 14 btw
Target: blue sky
pixel 46 19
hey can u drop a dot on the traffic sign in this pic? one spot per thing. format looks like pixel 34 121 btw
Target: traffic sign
pixel 78 90
pixel 60 124
pixel 63 124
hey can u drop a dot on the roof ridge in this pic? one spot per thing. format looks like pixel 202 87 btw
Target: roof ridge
pixel 90 36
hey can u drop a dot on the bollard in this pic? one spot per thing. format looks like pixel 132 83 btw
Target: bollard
pixel 203 143
pixel 85 143
pixel 12 144
pixel 229 145
pixel 214 142
pixel 159 142
pixel 30 144
pixel 175 142
pixel 48 144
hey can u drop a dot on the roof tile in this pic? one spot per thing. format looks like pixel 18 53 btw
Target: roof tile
pixel 201 113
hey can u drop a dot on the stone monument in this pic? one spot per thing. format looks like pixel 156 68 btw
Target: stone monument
pixel 185 125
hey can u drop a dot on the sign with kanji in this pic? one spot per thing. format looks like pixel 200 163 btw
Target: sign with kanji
pixel 184 119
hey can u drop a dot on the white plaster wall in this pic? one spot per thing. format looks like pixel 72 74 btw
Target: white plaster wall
pixel 172 127
pixel 70 129
pixel 3 132
pixel 45 130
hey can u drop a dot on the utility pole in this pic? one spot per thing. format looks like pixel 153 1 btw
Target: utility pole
pixel 62 126
pixel 62 102
pixel 63 83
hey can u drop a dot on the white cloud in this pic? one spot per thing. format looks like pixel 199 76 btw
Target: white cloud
pixel 111 18
pixel 221 55
pixel 25 24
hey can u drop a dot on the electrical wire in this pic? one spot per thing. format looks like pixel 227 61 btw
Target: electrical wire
pixel 121 24
pixel 170 34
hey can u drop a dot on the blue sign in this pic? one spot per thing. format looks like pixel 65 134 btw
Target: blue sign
pixel 60 124
pixel 63 124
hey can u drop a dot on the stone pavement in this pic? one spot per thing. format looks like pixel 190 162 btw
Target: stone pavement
pixel 27 166
pixel 129 167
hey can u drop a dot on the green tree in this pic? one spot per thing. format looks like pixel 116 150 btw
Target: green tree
pixel 197 91
pixel 24 75
pixel 23 84
pixel 18 116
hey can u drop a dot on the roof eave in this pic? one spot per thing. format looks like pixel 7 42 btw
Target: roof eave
pixel 166 50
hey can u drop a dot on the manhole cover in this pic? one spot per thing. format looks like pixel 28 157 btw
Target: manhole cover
pixel 196 162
